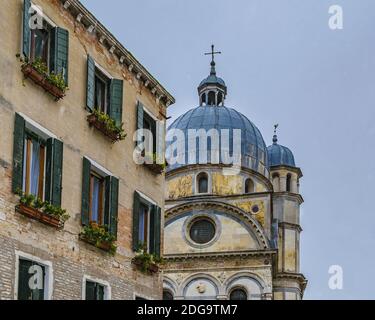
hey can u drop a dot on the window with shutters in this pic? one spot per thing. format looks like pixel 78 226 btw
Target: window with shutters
pixel 94 291
pixel 146 225
pixel 45 51
pixel 32 280
pixel 37 161
pixel 99 196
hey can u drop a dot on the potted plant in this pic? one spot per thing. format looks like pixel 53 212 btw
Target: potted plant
pixel 43 211
pixel 154 166
pixel 104 123
pixel 37 71
pixel 146 262
pixel 99 236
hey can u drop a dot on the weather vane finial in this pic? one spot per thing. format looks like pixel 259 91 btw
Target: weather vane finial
pixel 212 53
pixel 275 133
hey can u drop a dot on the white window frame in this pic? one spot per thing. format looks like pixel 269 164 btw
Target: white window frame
pixel 105 284
pixel 48 279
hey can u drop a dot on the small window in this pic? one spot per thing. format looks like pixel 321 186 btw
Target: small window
pixel 31 280
pixel 238 294
pixel 144 224
pixel 97 192
pixel 102 89
pixel 288 182
pixel 202 231
pixel 40 43
pixel 95 291
pixel 202 183
pixel 34 166
pixel 249 186
pixel 167 295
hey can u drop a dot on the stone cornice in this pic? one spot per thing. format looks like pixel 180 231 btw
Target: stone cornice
pixel 292 196
pixel 291 226
pixel 220 255
pixel 299 277
pixel 92 25
pixel 289 168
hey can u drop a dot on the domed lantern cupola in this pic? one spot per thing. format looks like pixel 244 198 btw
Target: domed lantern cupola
pixel 212 90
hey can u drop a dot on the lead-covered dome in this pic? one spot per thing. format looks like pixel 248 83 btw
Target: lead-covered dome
pixel 279 155
pixel 253 148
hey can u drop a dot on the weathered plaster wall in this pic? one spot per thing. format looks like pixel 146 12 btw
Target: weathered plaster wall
pixel 67 120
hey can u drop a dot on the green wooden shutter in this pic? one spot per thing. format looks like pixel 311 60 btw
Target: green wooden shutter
pixel 24 292
pixel 48 195
pixel 56 172
pixel 85 214
pixel 136 207
pixel 155 231
pixel 139 121
pixel 116 98
pixel 60 52
pixel 90 98
pixel 114 206
pixel 26 28
pixel 107 202
pixel 18 150
pixel 99 292
pixel 90 293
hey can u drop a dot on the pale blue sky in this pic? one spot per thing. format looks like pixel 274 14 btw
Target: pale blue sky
pixel 282 64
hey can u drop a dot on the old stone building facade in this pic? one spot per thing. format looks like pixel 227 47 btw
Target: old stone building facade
pixel 68 150
pixel 232 230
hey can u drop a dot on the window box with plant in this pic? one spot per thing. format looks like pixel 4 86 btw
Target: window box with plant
pixel 152 163
pixel 43 211
pixel 99 236
pixel 53 83
pixel 45 53
pixel 146 262
pixel 102 122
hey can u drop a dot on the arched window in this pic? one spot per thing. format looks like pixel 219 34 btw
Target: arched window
pixel 202 182
pixel 238 294
pixel 167 295
pixel 211 98
pixel 276 182
pixel 288 182
pixel 203 99
pixel 220 99
pixel 249 186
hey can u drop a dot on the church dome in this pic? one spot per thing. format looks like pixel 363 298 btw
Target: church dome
pixel 279 155
pixel 253 147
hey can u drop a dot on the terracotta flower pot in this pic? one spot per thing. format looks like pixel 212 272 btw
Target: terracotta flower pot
pixel 94 121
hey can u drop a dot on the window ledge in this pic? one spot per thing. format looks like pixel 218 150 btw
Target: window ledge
pixel 40 216
pixel 145 268
pixel 155 168
pixel 40 79
pixel 93 121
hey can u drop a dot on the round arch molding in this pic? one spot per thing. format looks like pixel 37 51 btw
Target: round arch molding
pixel 254 225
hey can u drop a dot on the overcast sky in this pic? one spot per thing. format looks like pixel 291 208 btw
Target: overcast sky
pixel 282 64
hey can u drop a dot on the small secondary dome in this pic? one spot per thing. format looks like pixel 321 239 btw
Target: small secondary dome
pixel 279 155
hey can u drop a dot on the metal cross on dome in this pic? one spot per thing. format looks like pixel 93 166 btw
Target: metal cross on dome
pixel 213 52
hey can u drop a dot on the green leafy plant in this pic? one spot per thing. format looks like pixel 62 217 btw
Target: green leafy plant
pixel 146 261
pixel 99 235
pixel 32 201
pixel 155 160
pixel 110 124
pixel 41 67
